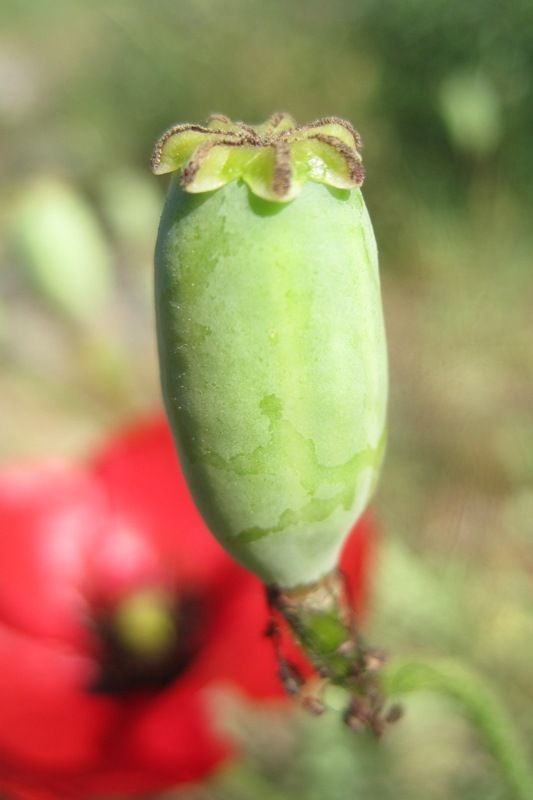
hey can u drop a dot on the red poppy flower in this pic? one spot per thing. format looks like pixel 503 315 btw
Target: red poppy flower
pixel 118 611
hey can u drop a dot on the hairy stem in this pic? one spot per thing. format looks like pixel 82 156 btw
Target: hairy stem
pixel 321 620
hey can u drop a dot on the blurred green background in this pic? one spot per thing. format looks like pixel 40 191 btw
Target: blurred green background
pixel 442 94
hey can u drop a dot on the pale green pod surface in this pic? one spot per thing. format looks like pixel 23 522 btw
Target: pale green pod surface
pixel 272 352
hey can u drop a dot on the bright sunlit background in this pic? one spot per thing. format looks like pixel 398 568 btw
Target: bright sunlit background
pixel 442 94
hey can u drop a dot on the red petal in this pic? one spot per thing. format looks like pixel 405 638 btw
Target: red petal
pixel 49 518
pixel 47 718
pixel 357 561
pixel 167 741
pixel 241 654
pixel 147 493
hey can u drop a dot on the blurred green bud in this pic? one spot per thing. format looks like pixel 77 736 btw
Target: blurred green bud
pixel 472 112
pixel 131 205
pixel 271 340
pixel 59 240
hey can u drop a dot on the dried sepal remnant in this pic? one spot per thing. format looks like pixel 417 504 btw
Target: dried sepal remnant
pixel 274 159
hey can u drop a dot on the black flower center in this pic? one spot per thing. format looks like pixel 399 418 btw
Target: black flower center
pixel 147 640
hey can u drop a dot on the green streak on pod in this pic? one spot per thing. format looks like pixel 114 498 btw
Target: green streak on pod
pixel 274 368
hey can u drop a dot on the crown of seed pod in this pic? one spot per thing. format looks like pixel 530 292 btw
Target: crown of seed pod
pixel 274 159
pixel 270 333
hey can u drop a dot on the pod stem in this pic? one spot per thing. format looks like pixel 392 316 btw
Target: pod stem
pixel 479 703
pixel 321 619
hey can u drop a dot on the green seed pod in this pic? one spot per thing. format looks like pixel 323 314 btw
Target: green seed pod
pixel 271 339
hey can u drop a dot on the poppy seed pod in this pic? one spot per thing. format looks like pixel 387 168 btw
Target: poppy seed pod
pixel 271 338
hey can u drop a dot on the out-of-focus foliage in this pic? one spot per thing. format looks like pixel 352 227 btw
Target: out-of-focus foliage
pixel 471 55
pixel 443 96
